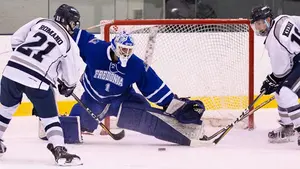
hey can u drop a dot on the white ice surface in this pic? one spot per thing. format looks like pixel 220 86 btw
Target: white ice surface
pixel 240 149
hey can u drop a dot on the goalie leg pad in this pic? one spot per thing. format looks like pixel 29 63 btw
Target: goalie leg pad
pixel 71 129
pixel 137 119
pixel 142 118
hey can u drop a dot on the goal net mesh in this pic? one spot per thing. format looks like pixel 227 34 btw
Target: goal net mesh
pixel 206 61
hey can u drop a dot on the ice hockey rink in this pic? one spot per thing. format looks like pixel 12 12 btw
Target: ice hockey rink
pixel 240 149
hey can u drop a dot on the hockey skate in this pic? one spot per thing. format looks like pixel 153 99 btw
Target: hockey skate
pixel 62 157
pixel 298 138
pixel 297 130
pixel 2 148
pixel 284 134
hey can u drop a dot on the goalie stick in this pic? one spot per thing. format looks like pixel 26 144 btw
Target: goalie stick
pixel 244 114
pixel 117 136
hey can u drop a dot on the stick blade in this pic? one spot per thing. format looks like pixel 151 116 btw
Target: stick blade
pixel 201 143
pixel 118 136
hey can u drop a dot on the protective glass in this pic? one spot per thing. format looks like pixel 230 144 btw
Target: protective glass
pixel 260 27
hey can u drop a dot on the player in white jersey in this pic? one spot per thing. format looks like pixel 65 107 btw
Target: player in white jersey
pixel 42 50
pixel 283 45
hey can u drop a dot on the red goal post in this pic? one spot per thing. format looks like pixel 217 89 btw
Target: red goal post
pixel 230 42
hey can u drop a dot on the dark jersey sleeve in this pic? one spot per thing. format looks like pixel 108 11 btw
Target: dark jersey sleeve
pixel 153 88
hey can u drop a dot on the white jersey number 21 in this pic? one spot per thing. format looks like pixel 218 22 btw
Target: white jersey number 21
pixel 39 43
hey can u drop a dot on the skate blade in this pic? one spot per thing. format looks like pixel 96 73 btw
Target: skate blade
pixel 281 140
pixel 74 162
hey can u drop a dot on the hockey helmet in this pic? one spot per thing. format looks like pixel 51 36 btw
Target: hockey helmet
pixel 68 17
pixel 258 18
pixel 122 44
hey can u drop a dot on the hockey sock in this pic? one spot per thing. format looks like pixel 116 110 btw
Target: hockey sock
pixel 53 130
pixel 294 113
pixel 289 100
pixel 5 117
pixel 282 105
pixel 284 116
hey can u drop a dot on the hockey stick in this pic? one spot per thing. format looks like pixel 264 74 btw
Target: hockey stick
pixel 5 52
pixel 99 25
pixel 117 136
pixel 226 129
pixel 259 106
pixel 217 140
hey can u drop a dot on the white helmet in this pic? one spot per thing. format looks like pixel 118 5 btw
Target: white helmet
pixel 122 45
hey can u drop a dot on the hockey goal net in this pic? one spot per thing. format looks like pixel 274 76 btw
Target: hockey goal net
pixel 210 60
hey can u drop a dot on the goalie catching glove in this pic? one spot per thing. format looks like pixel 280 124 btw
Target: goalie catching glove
pixel 271 84
pixel 186 111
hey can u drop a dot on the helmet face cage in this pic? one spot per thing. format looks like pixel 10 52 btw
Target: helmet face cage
pixel 259 23
pixel 123 45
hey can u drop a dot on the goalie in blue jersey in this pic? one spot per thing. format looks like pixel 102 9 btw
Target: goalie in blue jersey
pixel 111 70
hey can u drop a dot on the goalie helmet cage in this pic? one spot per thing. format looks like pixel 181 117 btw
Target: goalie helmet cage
pixel 209 59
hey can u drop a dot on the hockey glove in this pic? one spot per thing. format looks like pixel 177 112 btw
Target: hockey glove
pixel 185 110
pixel 65 90
pixel 271 84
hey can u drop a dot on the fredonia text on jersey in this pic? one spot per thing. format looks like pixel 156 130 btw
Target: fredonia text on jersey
pixel 109 76
pixel 52 33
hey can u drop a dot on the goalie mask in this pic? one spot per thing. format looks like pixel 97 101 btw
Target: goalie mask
pixel 123 45
pixel 261 17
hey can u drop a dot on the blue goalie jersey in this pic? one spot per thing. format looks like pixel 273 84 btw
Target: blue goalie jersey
pixel 106 81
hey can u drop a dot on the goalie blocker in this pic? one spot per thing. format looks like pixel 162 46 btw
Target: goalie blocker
pixel 180 122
